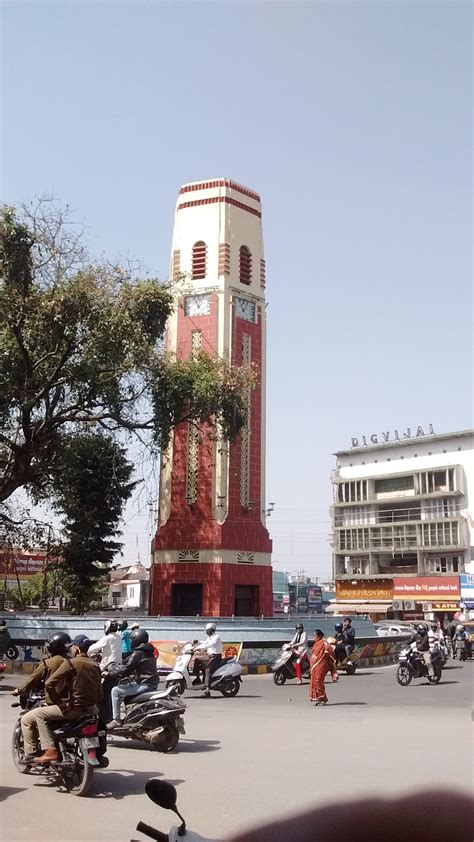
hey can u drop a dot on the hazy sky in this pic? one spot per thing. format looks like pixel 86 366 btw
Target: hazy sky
pixel 352 120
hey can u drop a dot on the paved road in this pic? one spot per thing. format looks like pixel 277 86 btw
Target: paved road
pixel 265 753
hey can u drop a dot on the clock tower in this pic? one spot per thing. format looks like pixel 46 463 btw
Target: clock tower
pixel 212 553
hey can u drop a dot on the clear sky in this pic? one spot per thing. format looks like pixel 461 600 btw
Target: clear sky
pixel 352 120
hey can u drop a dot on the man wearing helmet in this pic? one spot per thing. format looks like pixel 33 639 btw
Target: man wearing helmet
pixel 74 689
pixel 57 647
pixel 138 674
pixel 422 642
pixel 110 647
pixel 345 640
pixel 213 646
pixel 462 634
pixel 299 647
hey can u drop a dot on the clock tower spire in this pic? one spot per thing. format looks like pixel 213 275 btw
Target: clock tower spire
pixel 212 551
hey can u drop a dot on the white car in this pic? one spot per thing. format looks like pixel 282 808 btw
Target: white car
pixel 393 630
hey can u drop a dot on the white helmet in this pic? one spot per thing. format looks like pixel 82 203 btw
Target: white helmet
pixel 460 627
pixel 210 628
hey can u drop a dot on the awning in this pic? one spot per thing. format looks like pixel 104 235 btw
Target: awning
pixel 372 607
pixel 358 607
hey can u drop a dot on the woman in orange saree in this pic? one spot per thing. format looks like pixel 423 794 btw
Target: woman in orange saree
pixel 322 661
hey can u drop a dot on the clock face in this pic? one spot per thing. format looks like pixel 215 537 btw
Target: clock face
pixel 197 305
pixel 245 309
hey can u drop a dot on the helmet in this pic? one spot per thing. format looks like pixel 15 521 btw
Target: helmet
pixel 139 636
pixel 135 626
pixel 122 625
pixel 82 642
pixel 460 627
pixel 299 627
pixel 421 628
pixel 111 627
pixel 210 628
pixel 58 643
pixel 338 627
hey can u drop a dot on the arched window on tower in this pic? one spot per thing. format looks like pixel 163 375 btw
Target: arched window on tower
pixel 245 265
pixel 199 260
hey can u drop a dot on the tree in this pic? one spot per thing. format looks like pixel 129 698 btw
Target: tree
pixel 81 349
pixel 90 486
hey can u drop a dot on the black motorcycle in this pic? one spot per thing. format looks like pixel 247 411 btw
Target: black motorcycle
pixel 81 744
pixel 154 718
pixel 412 665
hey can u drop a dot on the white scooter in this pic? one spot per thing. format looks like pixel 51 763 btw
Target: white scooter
pixel 164 794
pixel 226 679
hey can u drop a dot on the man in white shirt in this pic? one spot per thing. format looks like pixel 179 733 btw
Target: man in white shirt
pixel 213 646
pixel 110 645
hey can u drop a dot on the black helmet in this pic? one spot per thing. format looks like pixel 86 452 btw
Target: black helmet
pixel 111 627
pixel 58 643
pixel 421 628
pixel 82 642
pixel 299 627
pixel 122 625
pixel 139 636
pixel 338 626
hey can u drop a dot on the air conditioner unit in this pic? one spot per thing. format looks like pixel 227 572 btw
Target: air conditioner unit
pixel 427 607
pixel 397 605
pixel 409 605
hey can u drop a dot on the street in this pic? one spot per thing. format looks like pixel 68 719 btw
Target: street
pixel 265 753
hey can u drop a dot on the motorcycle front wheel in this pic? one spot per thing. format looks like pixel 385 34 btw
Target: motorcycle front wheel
pixel 180 685
pixel 350 669
pixel 17 752
pixel 436 678
pixel 231 687
pixel 12 652
pixel 404 675
pixel 167 740
pixel 279 678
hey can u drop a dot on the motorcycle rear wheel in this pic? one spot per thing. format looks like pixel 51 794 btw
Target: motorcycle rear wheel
pixel 79 783
pixel 279 678
pixel 350 669
pixel 180 684
pixel 231 687
pixel 167 740
pixel 404 675
pixel 12 652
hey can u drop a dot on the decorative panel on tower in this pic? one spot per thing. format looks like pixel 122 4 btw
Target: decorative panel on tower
pixel 212 551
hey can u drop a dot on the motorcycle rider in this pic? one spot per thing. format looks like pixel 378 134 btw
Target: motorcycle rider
pixel 140 667
pixel 422 643
pixel 126 639
pixel 74 689
pixel 345 640
pixel 57 647
pixel 213 647
pixel 299 647
pixel 109 646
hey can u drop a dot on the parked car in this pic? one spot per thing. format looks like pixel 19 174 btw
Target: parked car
pixel 393 630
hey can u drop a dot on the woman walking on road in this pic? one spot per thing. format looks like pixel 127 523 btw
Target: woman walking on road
pixel 322 661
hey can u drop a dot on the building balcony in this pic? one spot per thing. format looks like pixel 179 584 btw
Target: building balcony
pixel 439 534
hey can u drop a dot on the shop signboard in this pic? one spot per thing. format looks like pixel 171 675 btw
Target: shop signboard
pixel 467 590
pixel 424 588
pixel 315 598
pixel 364 591
pixel 444 606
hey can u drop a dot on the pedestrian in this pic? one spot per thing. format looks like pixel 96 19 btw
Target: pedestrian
pixel 322 661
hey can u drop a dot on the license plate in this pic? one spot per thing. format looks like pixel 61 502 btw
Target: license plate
pixel 91 742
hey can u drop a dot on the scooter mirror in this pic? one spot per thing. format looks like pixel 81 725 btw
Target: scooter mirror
pixel 162 793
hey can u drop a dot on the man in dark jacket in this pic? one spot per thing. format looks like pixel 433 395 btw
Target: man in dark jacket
pixel 345 639
pixel 5 638
pixel 140 667
pixel 75 689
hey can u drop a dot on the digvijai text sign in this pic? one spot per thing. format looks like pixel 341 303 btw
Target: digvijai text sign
pixel 423 589
pixel 390 436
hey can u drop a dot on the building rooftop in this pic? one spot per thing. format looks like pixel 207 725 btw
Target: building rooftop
pixel 420 439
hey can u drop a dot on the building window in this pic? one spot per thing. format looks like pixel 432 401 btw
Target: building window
pixel 176 264
pixel 131 593
pixel 444 564
pixel 188 555
pixel 245 273
pixel 116 597
pixel 199 260
pixel 393 484
pixel 245 558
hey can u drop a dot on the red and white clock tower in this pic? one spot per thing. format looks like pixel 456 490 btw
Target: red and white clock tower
pixel 212 552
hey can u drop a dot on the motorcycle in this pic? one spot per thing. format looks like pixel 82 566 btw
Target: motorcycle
pixel 345 662
pixel 226 678
pixel 412 665
pixel 164 794
pixel 154 718
pixel 284 667
pixel 81 744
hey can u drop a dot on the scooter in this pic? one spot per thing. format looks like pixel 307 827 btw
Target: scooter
pixel 226 678
pixel 81 744
pixel 164 794
pixel 154 718
pixel 348 663
pixel 284 666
